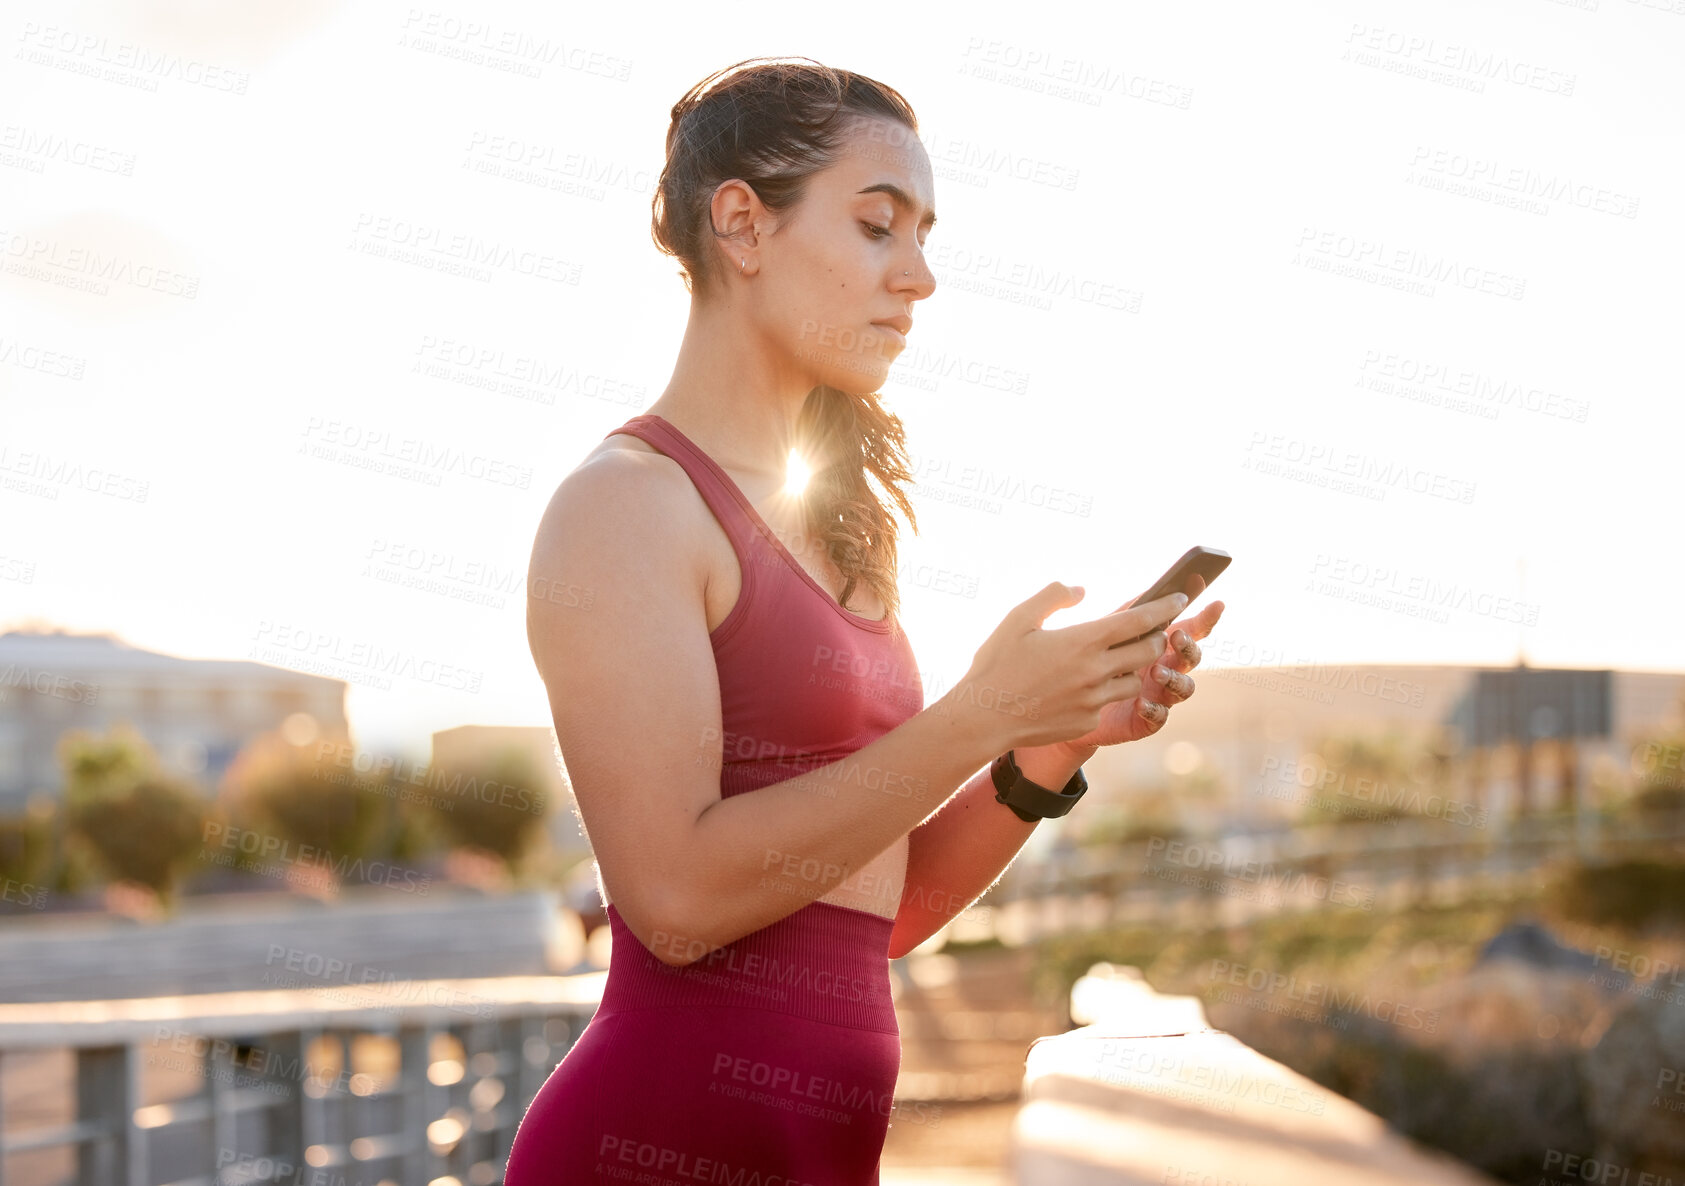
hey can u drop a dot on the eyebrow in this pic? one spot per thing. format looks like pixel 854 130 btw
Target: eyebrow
pixel 902 199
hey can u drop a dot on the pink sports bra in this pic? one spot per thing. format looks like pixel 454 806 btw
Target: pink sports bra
pixel 803 681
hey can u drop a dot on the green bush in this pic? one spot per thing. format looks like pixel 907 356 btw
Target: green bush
pixel 335 818
pixel 26 859
pixel 1631 894
pixel 139 824
pixel 306 812
pixel 497 805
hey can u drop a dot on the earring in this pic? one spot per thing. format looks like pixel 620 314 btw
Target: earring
pixel 741 262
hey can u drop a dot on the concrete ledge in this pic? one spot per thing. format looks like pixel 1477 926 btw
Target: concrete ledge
pixel 1150 1094
pixel 226 1014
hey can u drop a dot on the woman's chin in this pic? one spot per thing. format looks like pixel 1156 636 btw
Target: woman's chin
pixel 858 375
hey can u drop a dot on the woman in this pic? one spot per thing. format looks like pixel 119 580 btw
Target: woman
pixel 719 636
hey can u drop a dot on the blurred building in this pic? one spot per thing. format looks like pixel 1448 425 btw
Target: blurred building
pixel 1246 746
pixel 470 746
pixel 196 713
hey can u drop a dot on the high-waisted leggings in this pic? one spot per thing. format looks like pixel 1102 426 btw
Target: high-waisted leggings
pixel 768 1062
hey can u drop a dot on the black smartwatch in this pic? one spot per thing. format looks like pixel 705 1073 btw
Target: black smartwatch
pixel 1029 801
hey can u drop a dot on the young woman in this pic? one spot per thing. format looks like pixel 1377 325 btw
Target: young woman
pixel 771 804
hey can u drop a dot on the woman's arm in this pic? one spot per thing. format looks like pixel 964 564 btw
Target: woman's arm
pixel 635 696
pixel 954 857
pixel 958 853
pixel 617 623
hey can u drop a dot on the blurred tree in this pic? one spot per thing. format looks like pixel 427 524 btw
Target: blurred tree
pixel 26 856
pixel 1658 765
pixel 141 825
pixel 296 806
pixel 497 805
pixel 1364 777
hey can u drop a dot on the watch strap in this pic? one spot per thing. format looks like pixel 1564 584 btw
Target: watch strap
pixel 1030 801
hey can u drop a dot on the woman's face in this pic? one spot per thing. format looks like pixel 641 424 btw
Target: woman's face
pixel 849 254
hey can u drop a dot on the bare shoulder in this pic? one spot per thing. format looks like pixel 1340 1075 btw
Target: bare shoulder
pixel 623 485
pixel 623 522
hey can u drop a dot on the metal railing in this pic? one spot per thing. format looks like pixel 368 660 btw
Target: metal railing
pixel 1245 875
pixel 401 1083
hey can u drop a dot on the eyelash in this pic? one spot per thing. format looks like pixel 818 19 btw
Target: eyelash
pixel 884 231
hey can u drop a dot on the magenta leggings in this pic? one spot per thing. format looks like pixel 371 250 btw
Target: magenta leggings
pixel 770 1062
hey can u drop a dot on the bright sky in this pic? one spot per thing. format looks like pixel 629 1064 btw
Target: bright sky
pixel 1151 217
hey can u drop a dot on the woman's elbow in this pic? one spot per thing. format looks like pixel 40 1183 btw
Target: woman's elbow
pixel 665 931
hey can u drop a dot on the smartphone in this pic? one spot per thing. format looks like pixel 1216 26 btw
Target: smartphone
pixel 1192 574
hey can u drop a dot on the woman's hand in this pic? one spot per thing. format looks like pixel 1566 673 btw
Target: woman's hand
pixel 1146 713
pixel 1031 686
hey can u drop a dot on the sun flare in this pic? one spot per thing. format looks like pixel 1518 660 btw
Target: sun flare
pixel 796 474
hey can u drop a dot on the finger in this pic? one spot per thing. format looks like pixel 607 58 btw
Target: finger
pixel 1185 652
pixel 1200 625
pixel 1127 625
pixel 1035 610
pixel 1154 713
pixel 1168 686
pixel 1128 658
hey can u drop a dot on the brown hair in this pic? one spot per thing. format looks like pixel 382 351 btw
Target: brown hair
pixel 774 123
